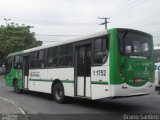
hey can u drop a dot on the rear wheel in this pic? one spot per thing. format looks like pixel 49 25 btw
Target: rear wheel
pixel 16 88
pixel 58 93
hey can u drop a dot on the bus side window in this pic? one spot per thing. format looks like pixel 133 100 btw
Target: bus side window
pixel 32 58
pixel 65 57
pixel 8 65
pixel 52 57
pixel 105 44
pixel 105 49
pixel 41 59
pixel 18 62
pixel 101 48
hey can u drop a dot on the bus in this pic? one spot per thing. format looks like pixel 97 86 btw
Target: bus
pixel 157 67
pixel 114 63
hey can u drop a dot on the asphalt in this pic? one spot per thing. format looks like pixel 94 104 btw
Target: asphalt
pixel 9 107
pixel 10 110
pixel 40 106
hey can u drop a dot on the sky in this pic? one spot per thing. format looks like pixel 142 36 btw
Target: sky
pixel 59 20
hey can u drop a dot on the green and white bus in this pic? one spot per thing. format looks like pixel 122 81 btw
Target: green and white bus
pixel 114 63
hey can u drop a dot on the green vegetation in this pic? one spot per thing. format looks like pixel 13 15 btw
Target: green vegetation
pixel 15 38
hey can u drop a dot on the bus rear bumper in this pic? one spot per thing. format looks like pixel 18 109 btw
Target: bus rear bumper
pixel 115 97
pixel 124 90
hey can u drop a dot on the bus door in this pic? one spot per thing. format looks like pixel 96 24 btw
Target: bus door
pixel 25 71
pixel 83 70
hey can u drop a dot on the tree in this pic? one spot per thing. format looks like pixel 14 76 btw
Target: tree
pixel 15 38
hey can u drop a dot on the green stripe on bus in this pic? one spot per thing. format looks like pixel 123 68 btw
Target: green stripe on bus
pixel 45 80
pixel 67 81
pixel 97 82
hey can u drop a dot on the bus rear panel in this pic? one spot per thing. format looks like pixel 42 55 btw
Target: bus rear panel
pixel 131 63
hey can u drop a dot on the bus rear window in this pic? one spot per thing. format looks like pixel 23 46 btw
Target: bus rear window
pixel 135 44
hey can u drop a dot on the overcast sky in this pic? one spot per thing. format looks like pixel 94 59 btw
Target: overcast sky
pixel 80 17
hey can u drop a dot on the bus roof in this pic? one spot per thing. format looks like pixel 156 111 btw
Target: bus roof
pixel 94 35
pixel 61 43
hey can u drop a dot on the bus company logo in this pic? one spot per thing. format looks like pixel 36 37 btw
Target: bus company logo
pixel 157 67
pixel 34 74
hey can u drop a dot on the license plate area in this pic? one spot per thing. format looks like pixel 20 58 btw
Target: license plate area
pixel 138 80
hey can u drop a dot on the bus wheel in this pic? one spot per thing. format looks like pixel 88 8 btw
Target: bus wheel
pixel 58 93
pixel 15 86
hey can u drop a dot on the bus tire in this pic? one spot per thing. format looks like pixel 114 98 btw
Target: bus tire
pixel 58 93
pixel 15 87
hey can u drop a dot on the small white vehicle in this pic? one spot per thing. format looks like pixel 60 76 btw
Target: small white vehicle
pixel 157 67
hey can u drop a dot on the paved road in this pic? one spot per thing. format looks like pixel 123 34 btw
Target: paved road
pixel 40 103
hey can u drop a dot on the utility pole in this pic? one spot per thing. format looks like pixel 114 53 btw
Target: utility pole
pixel 105 22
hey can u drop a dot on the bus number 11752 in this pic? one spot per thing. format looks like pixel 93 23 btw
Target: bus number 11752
pixel 99 72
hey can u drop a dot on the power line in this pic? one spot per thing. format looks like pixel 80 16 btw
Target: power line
pixel 57 35
pixel 37 21
pixel 120 6
pixel 131 5
pixel 141 20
